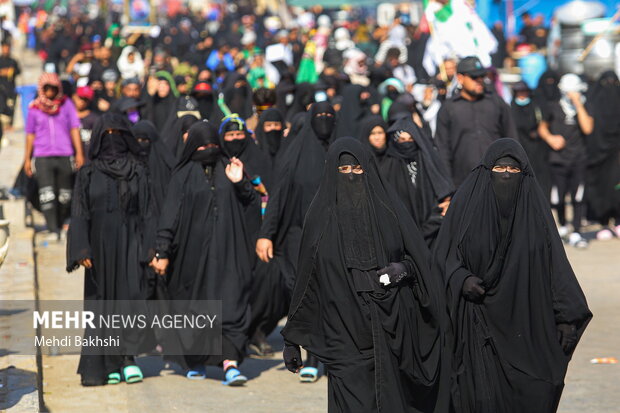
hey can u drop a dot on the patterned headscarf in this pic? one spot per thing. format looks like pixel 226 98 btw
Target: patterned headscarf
pixel 49 106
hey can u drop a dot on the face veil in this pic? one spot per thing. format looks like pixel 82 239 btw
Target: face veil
pixel 354 216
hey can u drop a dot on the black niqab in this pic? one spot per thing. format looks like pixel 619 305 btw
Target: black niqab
pixel 507 353
pixel 323 126
pixel 383 347
pixel 271 141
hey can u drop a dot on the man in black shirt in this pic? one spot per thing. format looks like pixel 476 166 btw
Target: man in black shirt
pixel 565 124
pixel 470 121
pixel 9 69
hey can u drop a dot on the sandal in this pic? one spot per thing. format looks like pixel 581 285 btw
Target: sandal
pixel 198 373
pixel 234 378
pixel 308 375
pixel 132 374
pixel 114 378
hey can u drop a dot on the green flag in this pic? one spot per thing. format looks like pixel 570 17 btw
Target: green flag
pixel 444 13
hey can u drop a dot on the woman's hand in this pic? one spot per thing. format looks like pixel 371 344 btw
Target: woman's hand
pixel 234 170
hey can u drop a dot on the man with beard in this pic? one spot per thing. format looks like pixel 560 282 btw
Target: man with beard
pixel 517 309
pixel 470 121
pixel 299 174
pixel 365 302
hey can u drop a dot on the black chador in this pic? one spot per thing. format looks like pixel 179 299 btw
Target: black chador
pixel 298 173
pixel 364 301
pixel 603 146
pixel 517 309
pixel 203 230
pixel 109 211
pixel 418 175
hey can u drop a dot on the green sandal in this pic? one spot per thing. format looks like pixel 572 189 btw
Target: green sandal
pixel 132 374
pixel 114 378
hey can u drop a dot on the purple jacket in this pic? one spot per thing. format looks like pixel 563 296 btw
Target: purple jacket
pixel 52 133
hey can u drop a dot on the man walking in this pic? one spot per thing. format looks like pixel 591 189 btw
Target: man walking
pixel 470 121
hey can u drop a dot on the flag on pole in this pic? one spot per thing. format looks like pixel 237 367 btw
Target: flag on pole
pixel 456 31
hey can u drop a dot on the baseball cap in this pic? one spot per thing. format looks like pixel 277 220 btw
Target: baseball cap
pixel 471 66
pixel 85 92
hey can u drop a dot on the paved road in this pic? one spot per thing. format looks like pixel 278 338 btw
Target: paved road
pixel 589 388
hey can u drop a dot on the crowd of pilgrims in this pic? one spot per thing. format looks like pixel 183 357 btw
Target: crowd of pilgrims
pixel 403 224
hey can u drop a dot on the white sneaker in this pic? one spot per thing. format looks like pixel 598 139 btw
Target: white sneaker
pixel 576 240
pixel 563 231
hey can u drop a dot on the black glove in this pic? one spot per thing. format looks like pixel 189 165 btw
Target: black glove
pixel 292 357
pixel 567 335
pixel 472 289
pixel 396 272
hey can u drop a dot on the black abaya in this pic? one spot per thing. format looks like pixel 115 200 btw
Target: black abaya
pixel 526 120
pixel 109 210
pixel 603 146
pixel 383 347
pixel 507 355
pixel 418 176
pixel 204 228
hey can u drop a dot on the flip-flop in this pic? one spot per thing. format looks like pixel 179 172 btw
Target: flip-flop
pixel 132 374
pixel 199 373
pixel 308 375
pixel 234 378
pixel 114 378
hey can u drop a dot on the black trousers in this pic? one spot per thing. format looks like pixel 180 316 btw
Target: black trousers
pixel 568 179
pixel 55 178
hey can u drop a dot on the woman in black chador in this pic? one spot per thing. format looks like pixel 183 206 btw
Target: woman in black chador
pixel 517 309
pixel 603 173
pixel 109 211
pixel 204 247
pixel 364 301
pixel 298 177
pixel 413 167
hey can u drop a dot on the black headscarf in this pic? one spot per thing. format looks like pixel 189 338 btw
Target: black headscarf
pixel 200 134
pixel 548 90
pixel 366 127
pixel 353 110
pixel 381 345
pixel 174 131
pixel 238 99
pixel 160 160
pixel 507 353
pixel 255 161
pixel 418 175
pixel 114 153
pixel 323 127
pixel 269 142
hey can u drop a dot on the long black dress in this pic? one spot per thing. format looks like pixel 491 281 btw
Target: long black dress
pixel 507 355
pixel 418 175
pixel 299 175
pixel 110 208
pixel 603 146
pixel 383 347
pixel 204 229
pixel 527 119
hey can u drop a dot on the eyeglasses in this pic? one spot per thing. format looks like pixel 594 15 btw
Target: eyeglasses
pixel 509 169
pixel 347 169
